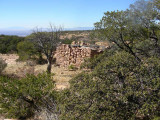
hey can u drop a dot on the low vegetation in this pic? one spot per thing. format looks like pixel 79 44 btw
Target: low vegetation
pixel 2 65
pixel 123 83
pixel 8 44
pixel 72 67
pixel 26 50
pixel 115 89
pixel 23 98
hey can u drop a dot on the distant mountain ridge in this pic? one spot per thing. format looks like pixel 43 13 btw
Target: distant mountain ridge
pixel 22 31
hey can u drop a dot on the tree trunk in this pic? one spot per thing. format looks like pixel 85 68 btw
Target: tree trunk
pixel 40 60
pixel 49 67
pixel 129 48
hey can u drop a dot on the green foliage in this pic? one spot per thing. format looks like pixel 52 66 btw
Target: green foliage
pixel 156 118
pixel 67 41
pixel 124 83
pixel 72 67
pixel 117 89
pixel 2 65
pixel 21 98
pixel 91 63
pixel 26 50
pixel 127 29
pixel 157 3
pixel 9 43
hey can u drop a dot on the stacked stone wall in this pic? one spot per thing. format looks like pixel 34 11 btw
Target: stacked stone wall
pixel 74 55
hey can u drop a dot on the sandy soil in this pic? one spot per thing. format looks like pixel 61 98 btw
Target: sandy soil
pixel 62 76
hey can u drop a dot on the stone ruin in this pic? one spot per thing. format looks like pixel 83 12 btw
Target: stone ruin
pixel 74 54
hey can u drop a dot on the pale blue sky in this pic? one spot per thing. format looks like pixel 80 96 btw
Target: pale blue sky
pixel 69 13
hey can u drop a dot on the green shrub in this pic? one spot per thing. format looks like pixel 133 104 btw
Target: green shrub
pixel 118 88
pixel 67 41
pixel 2 65
pixel 156 118
pixel 91 63
pixel 23 98
pixel 8 44
pixel 72 67
pixel 26 50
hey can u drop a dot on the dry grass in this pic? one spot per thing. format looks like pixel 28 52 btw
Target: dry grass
pixel 62 75
pixel 20 69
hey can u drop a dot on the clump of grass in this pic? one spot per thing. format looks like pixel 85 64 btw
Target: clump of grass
pixel 3 65
pixel 72 67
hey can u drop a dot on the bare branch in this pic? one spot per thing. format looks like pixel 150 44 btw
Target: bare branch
pixel 47 41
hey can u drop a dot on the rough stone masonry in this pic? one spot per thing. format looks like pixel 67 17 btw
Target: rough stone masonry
pixel 67 55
